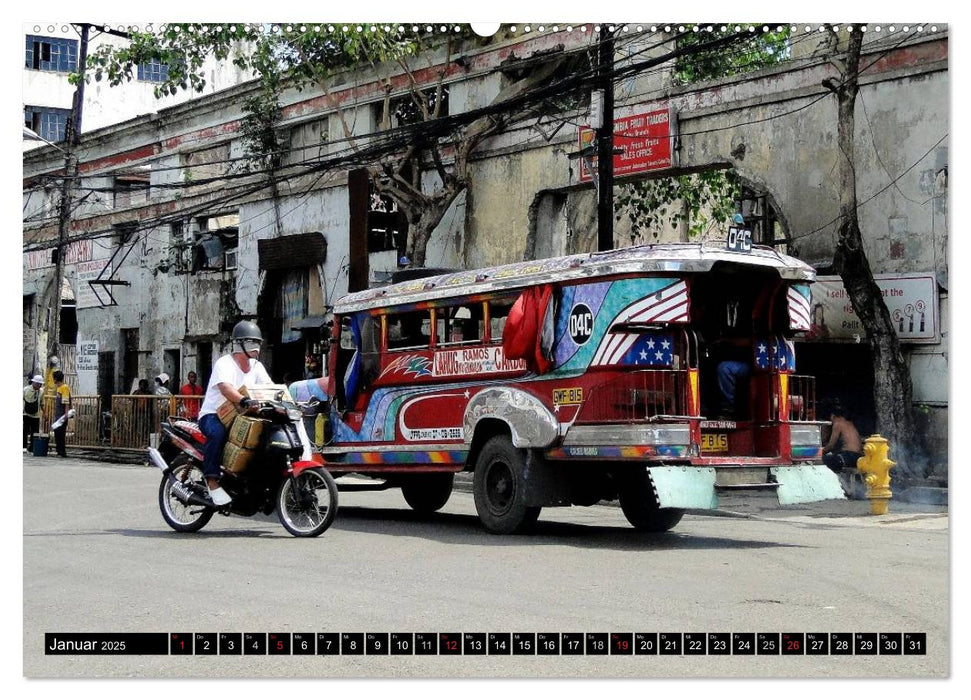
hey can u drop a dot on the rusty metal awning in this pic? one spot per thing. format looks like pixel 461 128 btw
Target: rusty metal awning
pixel 298 250
pixel 310 322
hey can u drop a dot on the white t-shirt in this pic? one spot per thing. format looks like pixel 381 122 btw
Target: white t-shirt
pixel 226 370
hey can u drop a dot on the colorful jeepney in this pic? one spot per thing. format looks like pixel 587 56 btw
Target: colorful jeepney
pixel 572 380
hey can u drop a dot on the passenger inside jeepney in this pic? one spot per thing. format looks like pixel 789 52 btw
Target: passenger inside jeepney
pixel 406 331
pixel 722 307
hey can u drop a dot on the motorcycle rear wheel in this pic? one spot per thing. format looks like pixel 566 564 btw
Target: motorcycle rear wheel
pixel 307 504
pixel 180 516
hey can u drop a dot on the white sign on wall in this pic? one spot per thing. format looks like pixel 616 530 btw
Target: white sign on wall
pixel 87 271
pixel 911 300
pixel 87 366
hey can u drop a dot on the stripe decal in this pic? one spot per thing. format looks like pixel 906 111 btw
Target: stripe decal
pixel 799 313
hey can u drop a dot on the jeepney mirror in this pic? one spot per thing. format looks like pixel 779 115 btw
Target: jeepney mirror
pixel 347 338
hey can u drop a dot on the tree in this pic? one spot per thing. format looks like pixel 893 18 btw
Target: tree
pixel 701 202
pixel 302 57
pixel 892 387
pixel 705 200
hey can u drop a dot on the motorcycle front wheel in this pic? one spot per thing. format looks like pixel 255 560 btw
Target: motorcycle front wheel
pixel 183 517
pixel 307 504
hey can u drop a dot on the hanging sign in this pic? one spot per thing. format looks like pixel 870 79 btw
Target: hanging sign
pixel 644 142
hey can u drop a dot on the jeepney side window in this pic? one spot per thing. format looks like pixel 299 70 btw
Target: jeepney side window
pixel 370 348
pixel 460 325
pixel 409 330
pixel 498 313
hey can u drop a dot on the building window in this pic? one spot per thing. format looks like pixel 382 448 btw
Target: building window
pixel 47 53
pixel 47 122
pixel 217 236
pixel 131 188
pixel 154 71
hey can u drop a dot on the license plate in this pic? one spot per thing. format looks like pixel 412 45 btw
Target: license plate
pixel 714 442
pixel 568 396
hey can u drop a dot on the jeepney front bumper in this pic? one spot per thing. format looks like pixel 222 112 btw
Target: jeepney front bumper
pixel 698 487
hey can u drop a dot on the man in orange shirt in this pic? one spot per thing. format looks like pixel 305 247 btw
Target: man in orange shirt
pixel 190 407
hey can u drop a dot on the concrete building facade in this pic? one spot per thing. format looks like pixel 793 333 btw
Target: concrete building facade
pixel 206 243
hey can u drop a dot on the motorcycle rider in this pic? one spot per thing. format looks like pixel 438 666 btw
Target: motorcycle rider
pixel 239 368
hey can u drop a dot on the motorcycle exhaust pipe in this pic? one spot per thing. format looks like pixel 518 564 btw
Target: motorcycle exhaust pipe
pixel 155 457
pixel 178 488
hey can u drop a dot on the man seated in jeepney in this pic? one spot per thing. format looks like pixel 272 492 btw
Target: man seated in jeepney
pixel 729 363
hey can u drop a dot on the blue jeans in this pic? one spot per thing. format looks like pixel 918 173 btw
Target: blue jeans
pixel 730 372
pixel 216 436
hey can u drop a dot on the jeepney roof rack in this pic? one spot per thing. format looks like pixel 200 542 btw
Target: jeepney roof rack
pixel 655 258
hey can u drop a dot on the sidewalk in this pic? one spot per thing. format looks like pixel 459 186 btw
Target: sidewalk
pixel 758 505
pixel 766 506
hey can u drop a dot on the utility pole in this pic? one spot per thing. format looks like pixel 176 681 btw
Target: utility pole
pixel 72 134
pixel 605 142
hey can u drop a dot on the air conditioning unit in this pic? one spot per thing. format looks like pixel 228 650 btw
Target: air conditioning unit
pixel 231 259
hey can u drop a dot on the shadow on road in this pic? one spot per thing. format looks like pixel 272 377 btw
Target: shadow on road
pixel 451 528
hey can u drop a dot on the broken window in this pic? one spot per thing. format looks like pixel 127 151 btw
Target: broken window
pixel 131 187
pixel 48 53
pixel 387 225
pixel 412 108
pixel 47 122
pixel 308 142
pixel 215 244
pixel 202 166
pixel 546 68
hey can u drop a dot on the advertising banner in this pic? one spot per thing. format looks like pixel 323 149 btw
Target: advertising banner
pixel 910 298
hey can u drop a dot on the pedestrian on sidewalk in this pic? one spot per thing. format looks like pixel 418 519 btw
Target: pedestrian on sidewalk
pixel 62 404
pixel 33 398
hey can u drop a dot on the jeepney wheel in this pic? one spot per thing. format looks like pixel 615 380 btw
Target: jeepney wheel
pixel 640 506
pixel 499 488
pixel 426 493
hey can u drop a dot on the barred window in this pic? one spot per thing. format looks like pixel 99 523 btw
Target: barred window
pixel 153 71
pixel 48 53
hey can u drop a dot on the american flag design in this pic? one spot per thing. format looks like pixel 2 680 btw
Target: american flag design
pixel 643 349
pixel 799 298
pixel 667 305
pixel 776 353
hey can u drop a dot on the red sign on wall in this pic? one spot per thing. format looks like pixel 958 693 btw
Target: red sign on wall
pixel 645 139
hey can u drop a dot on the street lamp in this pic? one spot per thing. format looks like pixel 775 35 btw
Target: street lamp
pixel 31 135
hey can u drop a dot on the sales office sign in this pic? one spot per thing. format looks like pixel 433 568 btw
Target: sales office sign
pixel 911 300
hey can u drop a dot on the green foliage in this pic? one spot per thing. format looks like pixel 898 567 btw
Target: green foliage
pixel 277 55
pixel 704 200
pixel 758 51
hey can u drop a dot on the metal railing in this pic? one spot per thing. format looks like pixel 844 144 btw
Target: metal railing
pixel 636 396
pixel 128 424
pixel 802 397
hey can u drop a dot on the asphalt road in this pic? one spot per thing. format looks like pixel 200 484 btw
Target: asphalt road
pixel 99 558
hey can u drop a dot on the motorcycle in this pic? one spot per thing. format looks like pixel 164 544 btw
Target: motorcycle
pixel 280 476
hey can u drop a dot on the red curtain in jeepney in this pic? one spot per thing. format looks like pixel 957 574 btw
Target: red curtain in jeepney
pixel 528 334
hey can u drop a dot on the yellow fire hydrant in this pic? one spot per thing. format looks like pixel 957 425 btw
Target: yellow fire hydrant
pixel 875 465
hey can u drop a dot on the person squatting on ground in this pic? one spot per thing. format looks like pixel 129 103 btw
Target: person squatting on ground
pixel 33 398
pixel 236 369
pixel 847 438
pixel 62 404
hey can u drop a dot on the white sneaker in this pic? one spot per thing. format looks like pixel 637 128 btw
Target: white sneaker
pixel 219 496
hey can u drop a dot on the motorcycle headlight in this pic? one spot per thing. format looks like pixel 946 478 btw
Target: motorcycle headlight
pixel 294 414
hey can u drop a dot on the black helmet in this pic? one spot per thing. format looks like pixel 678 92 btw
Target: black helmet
pixel 247 337
pixel 247 330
